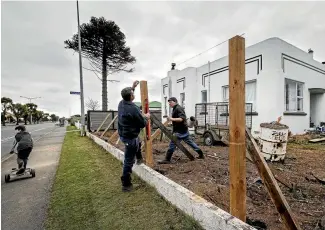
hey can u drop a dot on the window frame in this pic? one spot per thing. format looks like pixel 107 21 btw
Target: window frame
pixel 182 99
pixel 165 102
pixel 287 82
pixel 206 96
pixel 226 87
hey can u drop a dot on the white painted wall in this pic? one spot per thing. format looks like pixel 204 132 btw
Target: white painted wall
pixel 311 79
pixel 270 83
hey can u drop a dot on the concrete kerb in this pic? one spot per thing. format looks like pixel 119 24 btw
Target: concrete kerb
pixel 207 214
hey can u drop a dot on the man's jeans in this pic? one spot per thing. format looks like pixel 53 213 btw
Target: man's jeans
pixel 132 150
pixel 186 138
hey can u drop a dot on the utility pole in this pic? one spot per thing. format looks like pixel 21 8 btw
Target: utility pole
pixel 81 79
pixel 30 101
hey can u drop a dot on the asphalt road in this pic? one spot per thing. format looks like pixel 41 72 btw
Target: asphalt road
pixel 24 203
pixel 8 133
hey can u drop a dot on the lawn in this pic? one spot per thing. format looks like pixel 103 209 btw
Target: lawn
pixel 87 194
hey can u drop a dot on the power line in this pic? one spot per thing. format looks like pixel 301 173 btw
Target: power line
pixel 206 50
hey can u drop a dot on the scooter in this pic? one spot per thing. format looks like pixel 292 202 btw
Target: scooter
pixel 29 173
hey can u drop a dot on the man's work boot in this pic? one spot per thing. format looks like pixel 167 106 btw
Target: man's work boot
pixel 167 159
pixel 126 184
pixel 201 156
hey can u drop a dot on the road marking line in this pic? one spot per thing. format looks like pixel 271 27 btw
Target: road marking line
pixel 10 155
pixel 8 138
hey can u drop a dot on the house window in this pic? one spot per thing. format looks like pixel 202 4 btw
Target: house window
pixel 182 97
pixel 204 96
pixel 250 93
pixel 293 96
pixel 165 105
pixel 225 93
pixel 164 89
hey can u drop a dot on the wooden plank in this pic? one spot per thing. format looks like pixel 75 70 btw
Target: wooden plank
pixel 270 183
pixel 113 136
pixel 110 124
pixel 248 157
pixel 147 130
pixel 317 140
pixel 118 140
pixel 108 115
pixel 237 146
pixel 155 134
pixel 171 137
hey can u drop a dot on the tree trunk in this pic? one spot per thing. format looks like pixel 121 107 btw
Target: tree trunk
pixel 4 112
pixel 104 83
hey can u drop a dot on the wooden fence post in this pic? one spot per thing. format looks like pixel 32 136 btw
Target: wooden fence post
pixel 147 131
pixel 237 146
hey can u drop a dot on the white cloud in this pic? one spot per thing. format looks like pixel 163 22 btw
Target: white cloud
pixel 35 63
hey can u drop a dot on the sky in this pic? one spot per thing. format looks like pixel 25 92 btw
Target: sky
pixel 34 62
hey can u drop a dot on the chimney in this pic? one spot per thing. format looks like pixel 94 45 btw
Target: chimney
pixel 311 53
pixel 173 66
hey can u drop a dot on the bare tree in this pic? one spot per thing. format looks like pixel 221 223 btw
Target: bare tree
pixel 92 104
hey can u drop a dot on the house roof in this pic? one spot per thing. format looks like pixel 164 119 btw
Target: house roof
pixel 153 104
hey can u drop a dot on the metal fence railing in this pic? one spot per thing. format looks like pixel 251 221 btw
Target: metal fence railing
pixel 205 113
pixel 218 114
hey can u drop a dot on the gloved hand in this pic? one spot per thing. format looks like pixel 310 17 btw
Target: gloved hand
pixel 12 151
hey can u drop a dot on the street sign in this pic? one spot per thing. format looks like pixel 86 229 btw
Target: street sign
pixel 77 93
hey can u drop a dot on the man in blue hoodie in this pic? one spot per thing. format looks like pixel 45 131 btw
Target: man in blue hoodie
pixel 130 122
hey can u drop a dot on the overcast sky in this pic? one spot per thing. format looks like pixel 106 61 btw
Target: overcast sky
pixel 34 62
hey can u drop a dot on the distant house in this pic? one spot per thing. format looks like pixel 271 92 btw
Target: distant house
pixel 154 105
pixel 281 80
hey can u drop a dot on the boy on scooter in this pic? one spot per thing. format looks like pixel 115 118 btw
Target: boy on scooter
pixel 24 148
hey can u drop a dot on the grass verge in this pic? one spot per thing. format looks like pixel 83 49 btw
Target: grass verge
pixel 87 194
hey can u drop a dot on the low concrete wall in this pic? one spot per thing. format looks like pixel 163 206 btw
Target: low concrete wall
pixel 208 215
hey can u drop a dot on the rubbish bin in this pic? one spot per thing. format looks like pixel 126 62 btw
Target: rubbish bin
pixel 273 141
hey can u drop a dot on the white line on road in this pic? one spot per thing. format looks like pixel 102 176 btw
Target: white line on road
pixel 8 138
pixel 10 155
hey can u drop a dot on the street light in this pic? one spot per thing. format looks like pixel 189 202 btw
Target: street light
pixel 81 80
pixel 30 101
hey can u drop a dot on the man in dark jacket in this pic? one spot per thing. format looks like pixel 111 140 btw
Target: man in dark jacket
pixel 180 130
pixel 130 122
pixel 24 148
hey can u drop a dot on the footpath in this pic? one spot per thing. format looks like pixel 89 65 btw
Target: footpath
pixel 24 202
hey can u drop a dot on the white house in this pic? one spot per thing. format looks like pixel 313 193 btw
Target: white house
pixel 281 80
